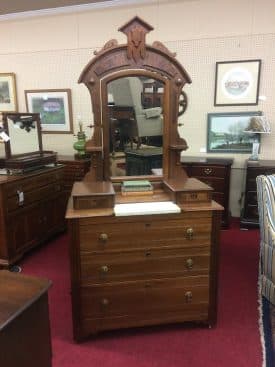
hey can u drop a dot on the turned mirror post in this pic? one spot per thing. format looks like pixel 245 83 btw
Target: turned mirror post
pixel 135 58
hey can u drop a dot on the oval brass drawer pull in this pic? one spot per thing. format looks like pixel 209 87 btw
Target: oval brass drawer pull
pixel 190 233
pixel 207 171
pixel 104 269
pixel 188 296
pixel 189 263
pixel 103 237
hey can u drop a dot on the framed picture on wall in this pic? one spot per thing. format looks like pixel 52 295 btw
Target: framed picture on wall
pixel 8 97
pixel 226 132
pixel 237 83
pixel 55 108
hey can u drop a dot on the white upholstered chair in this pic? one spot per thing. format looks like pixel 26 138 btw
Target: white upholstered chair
pixel 127 92
pixel 266 208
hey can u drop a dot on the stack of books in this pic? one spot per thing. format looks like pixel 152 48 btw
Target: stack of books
pixel 137 187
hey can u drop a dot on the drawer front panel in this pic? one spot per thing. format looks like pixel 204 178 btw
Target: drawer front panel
pixel 143 264
pixel 208 171
pixel 251 211
pixel 140 298
pixel 219 198
pixel 130 235
pixel 32 183
pixel 252 197
pixel 218 184
pixel 33 196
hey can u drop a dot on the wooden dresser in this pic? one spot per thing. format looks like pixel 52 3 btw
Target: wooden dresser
pixel 215 172
pixel 32 209
pixel 25 338
pixel 249 215
pixel 74 170
pixel 157 263
pixel 146 269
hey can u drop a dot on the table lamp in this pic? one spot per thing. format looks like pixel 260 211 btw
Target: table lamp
pixel 257 125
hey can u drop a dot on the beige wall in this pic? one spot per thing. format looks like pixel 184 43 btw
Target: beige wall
pixel 49 52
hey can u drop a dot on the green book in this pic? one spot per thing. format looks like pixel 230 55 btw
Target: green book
pixel 137 185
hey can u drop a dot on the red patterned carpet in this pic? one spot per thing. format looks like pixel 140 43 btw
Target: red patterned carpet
pixel 235 341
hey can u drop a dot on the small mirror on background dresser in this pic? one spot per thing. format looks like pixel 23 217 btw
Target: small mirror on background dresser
pixel 24 151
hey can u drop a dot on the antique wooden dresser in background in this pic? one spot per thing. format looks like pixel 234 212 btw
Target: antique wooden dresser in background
pixel 215 172
pixel 32 207
pixel 74 170
pixel 249 214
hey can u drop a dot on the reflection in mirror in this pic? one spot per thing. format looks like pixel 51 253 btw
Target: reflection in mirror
pixel 23 133
pixel 135 107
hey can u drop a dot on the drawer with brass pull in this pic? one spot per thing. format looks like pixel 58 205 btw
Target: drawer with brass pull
pixel 145 297
pixel 141 264
pixel 211 171
pixel 114 236
pixel 28 184
pixel 31 197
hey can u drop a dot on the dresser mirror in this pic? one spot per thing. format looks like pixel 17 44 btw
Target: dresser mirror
pixel 24 133
pixel 136 93
pixel 24 149
pixel 135 126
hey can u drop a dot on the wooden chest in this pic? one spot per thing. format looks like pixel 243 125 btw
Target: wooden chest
pixel 32 209
pixel 249 215
pixel 215 172
pixel 143 270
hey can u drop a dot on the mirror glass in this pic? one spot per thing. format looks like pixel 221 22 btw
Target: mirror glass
pixel 135 115
pixel 23 133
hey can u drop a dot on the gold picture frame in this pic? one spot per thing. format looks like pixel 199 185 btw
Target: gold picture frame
pixel 8 94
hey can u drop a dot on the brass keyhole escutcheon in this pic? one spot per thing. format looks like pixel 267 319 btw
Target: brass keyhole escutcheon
pixel 189 263
pixel 103 237
pixel 190 233
pixel 104 269
pixel 188 296
pixel 104 302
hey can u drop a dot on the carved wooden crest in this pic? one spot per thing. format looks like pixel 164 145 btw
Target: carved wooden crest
pixel 136 30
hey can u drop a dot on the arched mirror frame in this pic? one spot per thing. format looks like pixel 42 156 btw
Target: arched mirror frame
pixel 135 58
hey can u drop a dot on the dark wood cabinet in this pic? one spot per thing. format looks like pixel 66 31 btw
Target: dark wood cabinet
pixel 31 211
pixel 74 170
pixel 25 338
pixel 215 172
pixel 249 213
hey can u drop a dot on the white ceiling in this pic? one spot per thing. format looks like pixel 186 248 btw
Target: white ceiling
pixel 17 6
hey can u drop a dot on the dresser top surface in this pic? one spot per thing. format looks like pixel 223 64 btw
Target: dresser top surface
pixel 72 159
pixel 12 177
pixel 260 163
pixel 207 160
pixel 18 292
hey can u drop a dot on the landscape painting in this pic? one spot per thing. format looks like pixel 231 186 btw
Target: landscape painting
pixel 226 132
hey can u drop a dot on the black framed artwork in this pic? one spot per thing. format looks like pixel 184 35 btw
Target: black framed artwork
pixel 237 83
pixel 227 132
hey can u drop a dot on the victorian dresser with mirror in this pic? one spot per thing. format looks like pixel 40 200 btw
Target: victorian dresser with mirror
pixel 149 254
